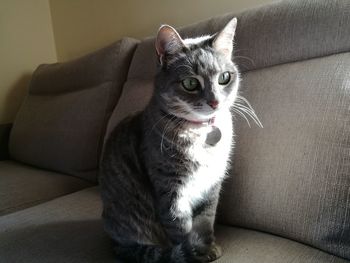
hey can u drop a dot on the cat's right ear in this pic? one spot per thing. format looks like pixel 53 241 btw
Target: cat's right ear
pixel 168 42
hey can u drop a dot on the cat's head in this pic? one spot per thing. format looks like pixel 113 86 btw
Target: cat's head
pixel 197 77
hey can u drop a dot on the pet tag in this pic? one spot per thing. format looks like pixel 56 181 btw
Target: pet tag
pixel 214 136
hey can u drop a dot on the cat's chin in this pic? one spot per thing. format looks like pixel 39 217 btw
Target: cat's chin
pixel 199 121
pixel 201 118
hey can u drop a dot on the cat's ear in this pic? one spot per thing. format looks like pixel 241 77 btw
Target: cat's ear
pixel 168 42
pixel 223 41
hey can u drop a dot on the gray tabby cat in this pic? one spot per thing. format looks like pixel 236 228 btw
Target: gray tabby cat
pixel 162 169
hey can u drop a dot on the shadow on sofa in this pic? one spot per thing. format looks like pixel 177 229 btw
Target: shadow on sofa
pixel 86 242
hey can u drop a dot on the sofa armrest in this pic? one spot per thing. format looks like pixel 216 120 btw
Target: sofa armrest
pixel 4 138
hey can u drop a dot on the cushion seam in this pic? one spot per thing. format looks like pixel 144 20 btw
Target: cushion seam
pixel 26 205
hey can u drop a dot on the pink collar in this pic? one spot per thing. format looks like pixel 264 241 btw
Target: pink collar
pixel 209 121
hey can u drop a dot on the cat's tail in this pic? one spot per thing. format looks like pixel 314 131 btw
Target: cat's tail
pixel 186 252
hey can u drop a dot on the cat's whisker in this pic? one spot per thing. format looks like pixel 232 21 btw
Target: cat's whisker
pixel 250 113
pixel 165 131
pixel 247 58
pixel 168 114
pixel 244 57
pixel 241 114
pixel 244 111
pixel 248 108
pixel 244 107
pixel 245 100
pixel 176 132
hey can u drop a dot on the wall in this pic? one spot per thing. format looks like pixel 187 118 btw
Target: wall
pixel 26 40
pixel 81 26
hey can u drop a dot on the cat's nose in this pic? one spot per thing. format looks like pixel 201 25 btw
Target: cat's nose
pixel 213 104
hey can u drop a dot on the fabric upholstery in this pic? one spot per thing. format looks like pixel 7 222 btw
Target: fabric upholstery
pixel 136 93
pixel 62 122
pixel 280 32
pixel 292 178
pixel 247 246
pixel 22 186
pixel 69 229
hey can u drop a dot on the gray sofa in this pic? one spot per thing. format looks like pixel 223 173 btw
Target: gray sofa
pixel 288 196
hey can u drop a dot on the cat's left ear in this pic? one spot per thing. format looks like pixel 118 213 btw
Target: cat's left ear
pixel 223 41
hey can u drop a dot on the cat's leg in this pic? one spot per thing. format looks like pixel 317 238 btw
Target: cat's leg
pixel 203 226
pixel 205 212
pixel 176 219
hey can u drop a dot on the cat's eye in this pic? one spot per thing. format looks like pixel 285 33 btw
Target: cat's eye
pixel 190 84
pixel 224 78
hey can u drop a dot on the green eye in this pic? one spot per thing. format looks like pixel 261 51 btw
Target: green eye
pixel 190 84
pixel 224 78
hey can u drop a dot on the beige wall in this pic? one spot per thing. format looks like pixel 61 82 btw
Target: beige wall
pixel 81 26
pixel 26 40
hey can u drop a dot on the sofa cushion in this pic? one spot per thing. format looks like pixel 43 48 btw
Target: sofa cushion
pixel 247 246
pixel 292 178
pixel 23 186
pixel 62 122
pixel 280 32
pixel 136 93
pixel 69 229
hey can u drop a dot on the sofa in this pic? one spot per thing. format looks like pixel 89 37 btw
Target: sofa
pixel 287 198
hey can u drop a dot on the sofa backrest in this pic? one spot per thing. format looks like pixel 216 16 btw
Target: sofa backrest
pixel 291 178
pixel 62 122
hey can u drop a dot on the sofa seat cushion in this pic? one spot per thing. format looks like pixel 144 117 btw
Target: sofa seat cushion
pixel 247 246
pixel 66 229
pixel 23 186
pixel 69 229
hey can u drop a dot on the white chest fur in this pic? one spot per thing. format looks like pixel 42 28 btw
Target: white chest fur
pixel 213 162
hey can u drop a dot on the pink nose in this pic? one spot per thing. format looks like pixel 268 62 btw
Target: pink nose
pixel 214 104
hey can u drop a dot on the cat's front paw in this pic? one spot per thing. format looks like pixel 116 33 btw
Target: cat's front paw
pixel 209 253
pixel 203 247
pixel 214 253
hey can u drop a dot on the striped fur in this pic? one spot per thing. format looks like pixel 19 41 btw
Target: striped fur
pixel 160 181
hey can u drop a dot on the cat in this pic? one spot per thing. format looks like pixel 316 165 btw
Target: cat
pixel 162 168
